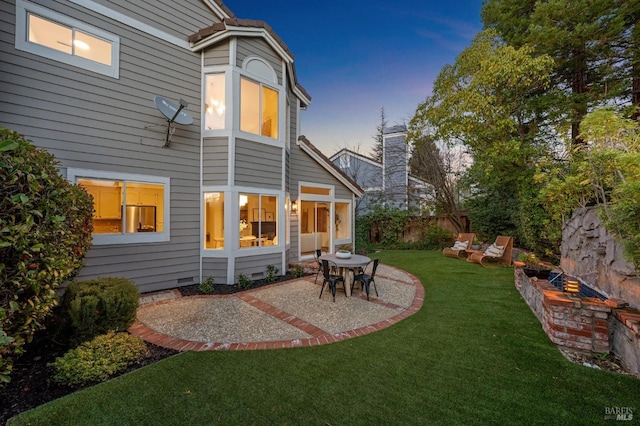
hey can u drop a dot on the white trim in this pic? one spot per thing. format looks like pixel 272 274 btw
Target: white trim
pixel 216 9
pixel 347 152
pixel 132 22
pixel 328 167
pixel 22 43
pixel 130 238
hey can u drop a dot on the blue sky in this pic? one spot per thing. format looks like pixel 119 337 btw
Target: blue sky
pixel 355 57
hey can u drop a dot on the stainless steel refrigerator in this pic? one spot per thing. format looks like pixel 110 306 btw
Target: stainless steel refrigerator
pixel 141 218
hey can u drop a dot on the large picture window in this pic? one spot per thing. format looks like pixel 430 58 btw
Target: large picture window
pixel 258 109
pixel 258 220
pixel 126 209
pixel 46 33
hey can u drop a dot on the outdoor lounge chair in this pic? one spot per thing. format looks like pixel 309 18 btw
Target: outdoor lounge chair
pixel 498 253
pixel 460 247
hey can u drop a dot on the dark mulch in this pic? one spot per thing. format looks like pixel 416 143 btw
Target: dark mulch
pixel 31 383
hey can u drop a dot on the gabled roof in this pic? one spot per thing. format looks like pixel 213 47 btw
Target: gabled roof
pixel 322 159
pixel 371 161
pixel 232 26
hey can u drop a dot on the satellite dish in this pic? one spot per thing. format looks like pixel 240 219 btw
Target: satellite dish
pixel 172 111
pixel 174 114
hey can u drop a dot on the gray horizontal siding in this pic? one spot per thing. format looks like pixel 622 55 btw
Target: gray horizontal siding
pixel 92 121
pixel 258 165
pixel 216 268
pixel 217 55
pixel 175 17
pixel 215 161
pixel 253 46
pixel 255 267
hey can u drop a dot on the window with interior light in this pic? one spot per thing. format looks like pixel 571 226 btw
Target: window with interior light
pixel 258 220
pixel 215 106
pixel 47 33
pixel 126 208
pixel 258 108
pixel 214 220
pixel 342 221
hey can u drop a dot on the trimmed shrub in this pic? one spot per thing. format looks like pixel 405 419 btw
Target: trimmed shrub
pixel 435 237
pixel 94 307
pixel 206 286
pixel 244 282
pixel 297 271
pixel 98 359
pixel 45 231
pixel 272 273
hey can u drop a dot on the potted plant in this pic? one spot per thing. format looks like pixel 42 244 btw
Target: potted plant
pixel 476 245
pixel 344 252
pixel 533 267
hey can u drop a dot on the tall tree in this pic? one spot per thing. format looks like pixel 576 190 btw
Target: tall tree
pixel 486 100
pixel 377 150
pixel 586 38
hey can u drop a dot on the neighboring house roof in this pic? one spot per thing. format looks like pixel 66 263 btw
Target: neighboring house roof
pixel 232 26
pixel 322 159
pixel 371 161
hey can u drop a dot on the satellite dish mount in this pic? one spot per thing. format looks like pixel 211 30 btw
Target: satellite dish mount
pixel 174 114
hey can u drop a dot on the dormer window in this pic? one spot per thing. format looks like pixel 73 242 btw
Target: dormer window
pixel 258 109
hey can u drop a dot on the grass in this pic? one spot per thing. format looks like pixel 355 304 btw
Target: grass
pixel 474 354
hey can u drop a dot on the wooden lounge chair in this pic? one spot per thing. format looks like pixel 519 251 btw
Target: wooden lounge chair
pixel 498 253
pixel 457 250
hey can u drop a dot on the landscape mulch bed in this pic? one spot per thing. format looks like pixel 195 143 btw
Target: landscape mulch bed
pixel 31 383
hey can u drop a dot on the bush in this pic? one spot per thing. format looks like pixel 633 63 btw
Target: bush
pixel 272 273
pixel 297 271
pixel 435 237
pixel 206 286
pixel 97 306
pixel 45 231
pixel 98 359
pixel 244 282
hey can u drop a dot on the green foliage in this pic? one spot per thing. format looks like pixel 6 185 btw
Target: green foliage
pixel 244 282
pixel 272 273
pixel 45 231
pixel 362 237
pixel 206 286
pixel 97 306
pixel 435 237
pixel 297 271
pixel 98 359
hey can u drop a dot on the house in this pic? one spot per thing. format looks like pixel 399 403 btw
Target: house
pixel 388 183
pixel 182 121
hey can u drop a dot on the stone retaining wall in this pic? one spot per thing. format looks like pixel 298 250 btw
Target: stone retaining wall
pixel 589 252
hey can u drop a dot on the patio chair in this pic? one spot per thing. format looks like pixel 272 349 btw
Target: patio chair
pixel 317 255
pixel 366 279
pixel 460 247
pixel 498 253
pixel 331 279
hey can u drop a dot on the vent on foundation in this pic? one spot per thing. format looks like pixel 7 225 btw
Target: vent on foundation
pixel 185 280
pixel 257 275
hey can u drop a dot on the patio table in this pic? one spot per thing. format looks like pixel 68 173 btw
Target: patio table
pixel 355 261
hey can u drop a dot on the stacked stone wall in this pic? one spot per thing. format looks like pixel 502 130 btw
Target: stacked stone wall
pixel 588 251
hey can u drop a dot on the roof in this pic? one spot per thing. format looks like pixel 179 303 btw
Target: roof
pixel 322 159
pixel 234 26
pixel 371 161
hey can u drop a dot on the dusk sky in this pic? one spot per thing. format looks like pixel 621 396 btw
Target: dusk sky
pixel 354 57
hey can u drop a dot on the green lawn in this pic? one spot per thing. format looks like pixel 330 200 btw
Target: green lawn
pixel 474 354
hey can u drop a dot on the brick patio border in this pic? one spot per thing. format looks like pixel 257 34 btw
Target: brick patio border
pixel 320 337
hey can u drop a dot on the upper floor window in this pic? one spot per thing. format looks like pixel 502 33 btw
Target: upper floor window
pixel 258 109
pixel 214 104
pixel 46 33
